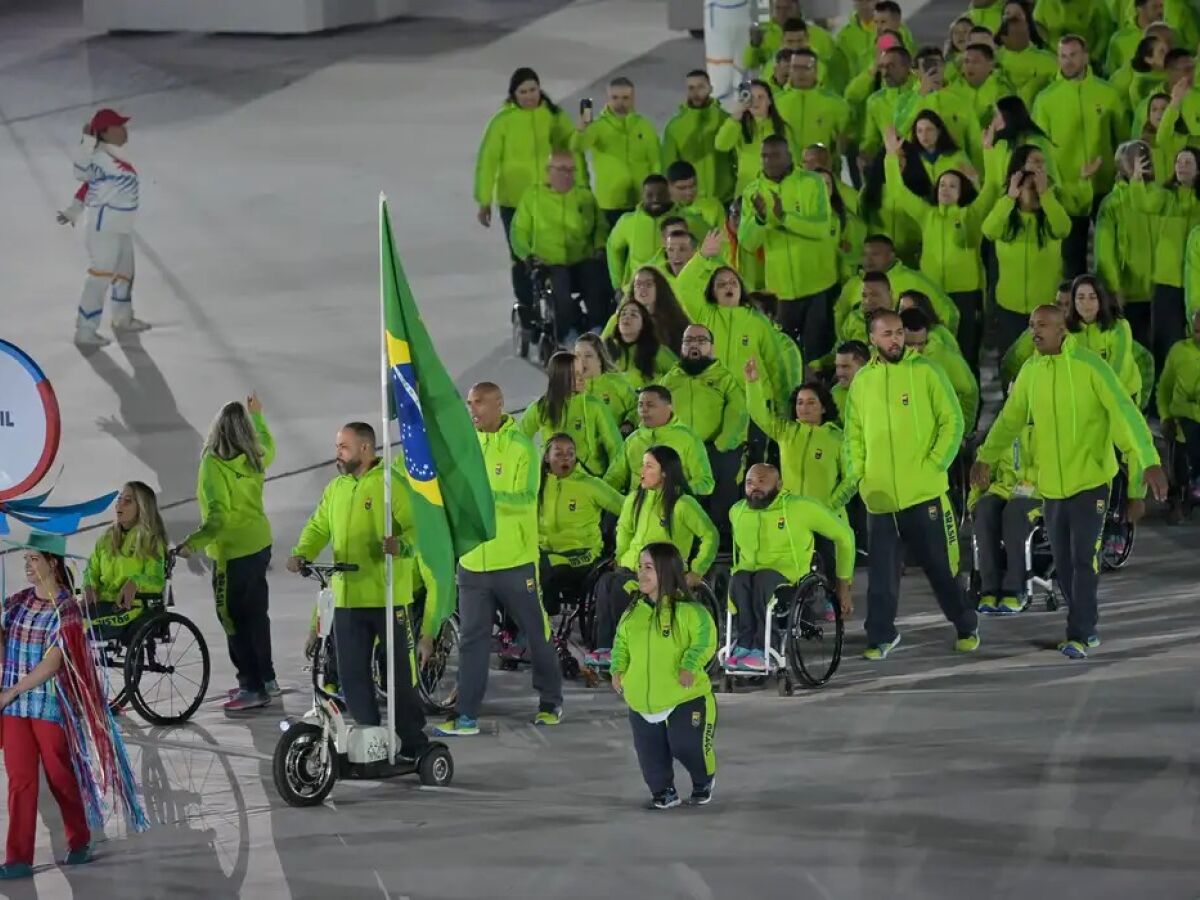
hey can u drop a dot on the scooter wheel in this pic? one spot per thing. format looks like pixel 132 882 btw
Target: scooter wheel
pixel 301 778
pixel 436 767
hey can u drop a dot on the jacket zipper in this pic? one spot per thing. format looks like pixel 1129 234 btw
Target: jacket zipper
pixel 1054 408
pixel 887 393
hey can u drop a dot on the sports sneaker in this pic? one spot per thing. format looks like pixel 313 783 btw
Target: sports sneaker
pixel 80 857
pixel 702 796
pixel 600 659
pixel 514 651
pixel 987 604
pixel 668 799
pixel 967 643
pixel 1073 650
pixel 89 338
pixel 881 651
pixel 11 871
pixel 130 325
pixel 1114 544
pixel 246 700
pixel 273 689
pixel 463 726
pixel 1093 641
pixel 1011 605
pixel 733 659
pixel 827 613
pixel 754 661
pixel 548 717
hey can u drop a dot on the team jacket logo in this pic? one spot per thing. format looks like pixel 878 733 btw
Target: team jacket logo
pixel 663 521
pixel 903 401
pixel 571 506
pixel 697 718
pixel 666 632
pixel 529 585
pixel 781 524
pixel 745 340
pixel 1100 506
pixel 499 468
pixel 933 513
pixel 819 453
pixel 367 505
pixel 579 424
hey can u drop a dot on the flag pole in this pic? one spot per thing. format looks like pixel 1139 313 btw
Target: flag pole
pixel 385 433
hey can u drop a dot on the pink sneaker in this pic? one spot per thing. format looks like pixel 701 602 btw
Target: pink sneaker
pixel 734 659
pixel 754 661
pixel 245 700
pixel 599 659
pixel 830 615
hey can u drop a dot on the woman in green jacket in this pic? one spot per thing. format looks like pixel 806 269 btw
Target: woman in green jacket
pixel 235 534
pixel 1096 321
pixel 596 375
pixel 931 144
pixel 744 131
pixel 1028 225
pixel 636 349
pixel 661 509
pixel 567 409
pixel 128 559
pixel 1124 243
pixel 662 648
pixel 650 288
pixel 512 157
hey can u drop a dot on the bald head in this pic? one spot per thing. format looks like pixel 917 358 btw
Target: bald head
pixel 1048 326
pixel 485 403
pixel 762 485
pixel 560 171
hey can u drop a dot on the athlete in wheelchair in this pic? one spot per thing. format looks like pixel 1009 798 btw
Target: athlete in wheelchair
pixel 559 233
pixel 777 611
pixel 157 660
pixel 1178 399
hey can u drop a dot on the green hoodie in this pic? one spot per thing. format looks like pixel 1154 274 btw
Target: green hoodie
pixel 1091 20
pixel 1124 246
pixel 1078 410
pixel 624 151
pixel 513 472
pixel 1191 274
pixel 1085 118
pixel 623 359
pixel 514 149
pixel 1030 70
pixel 350 517
pixel 813 116
pixel 780 537
pixel 950 235
pixel 635 240
pixel 810 456
pixel 1030 263
pixel 712 403
pixel 962 379
pixel 569 511
pixel 1178 395
pixel 586 419
pixel 1176 212
pixel 982 99
pixel 801 247
pixel 748 152
pixel 615 392
pixel 902 279
pixel 233 523
pixel 691 135
pixel 690 528
pixel 903 430
pixel 679 437
pixel 1115 347
pixel 880 112
pixel 652 647
pixel 962 122
pixel 109 568
pixel 559 229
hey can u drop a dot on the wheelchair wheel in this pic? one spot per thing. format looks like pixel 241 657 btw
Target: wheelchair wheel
pixel 437 681
pixel 813 644
pixel 520 337
pixel 1113 559
pixel 547 347
pixel 167 669
pixel 301 776
pixel 704 594
pixel 110 660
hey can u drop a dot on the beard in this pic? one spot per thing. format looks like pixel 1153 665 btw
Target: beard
pixel 349 467
pixel 892 356
pixel 695 366
pixel 761 500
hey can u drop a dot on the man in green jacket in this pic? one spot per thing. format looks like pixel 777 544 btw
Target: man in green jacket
pixel 1079 410
pixel 709 400
pixel 350 517
pixel 559 226
pixel 660 426
pixel 690 136
pixel 773 539
pixel 813 114
pixel 503 571
pixel 930 93
pixel 637 237
pixel 624 148
pixel 903 430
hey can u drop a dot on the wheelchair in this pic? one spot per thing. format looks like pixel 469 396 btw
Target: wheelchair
pixel 802 640
pixel 1039 568
pixel 1116 544
pixel 1179 471
pixel 156 659
pixel 534 327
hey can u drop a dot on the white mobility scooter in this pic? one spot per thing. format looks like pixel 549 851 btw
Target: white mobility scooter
pixel 321 747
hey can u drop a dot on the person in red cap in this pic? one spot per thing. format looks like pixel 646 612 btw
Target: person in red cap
pixel 109 193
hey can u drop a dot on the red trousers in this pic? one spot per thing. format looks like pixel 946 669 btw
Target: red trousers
pixel 25 742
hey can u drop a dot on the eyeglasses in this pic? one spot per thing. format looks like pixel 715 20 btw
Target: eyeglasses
pixel 697 340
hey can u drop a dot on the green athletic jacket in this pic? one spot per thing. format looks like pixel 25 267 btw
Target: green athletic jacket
pixel 1015 469
pixel 513 473
pixel 615 392
pixel 559 229
pixel 903 430
pixel 1085 118
pixel 1124 246
pixel 954 109
pixel 902 279
pixel 569 513
pixel 1079 410
pixel 514 149
pixel 820 41
pixel 747 154
pixel 1029 70
pixel 690 525
pixel 350 517
pixel 233 523
pixel 1014 357
pixel 691 135
pixel 664 360
pixel 1191 274
pixel 810 456
pixel 801 247
pixel 1115 347
pixel 650 649
pixel 989 17
pixel 1178 395
pixel 712 404
pixel 635 239
pixel 1176 212
pixel 1031 263
pixel 624 151
pixel 780 537
pixel 813 116
pixel 982 100
pixel 679 437
pixel 108 569
pixel 587 420
pixel 890 218
pixel 879 113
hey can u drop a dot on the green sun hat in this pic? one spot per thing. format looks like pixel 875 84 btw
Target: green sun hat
pixel 39 541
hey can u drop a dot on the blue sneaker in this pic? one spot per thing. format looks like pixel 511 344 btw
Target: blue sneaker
pixel 1073 650
pixel 1093 642
pixel 463 726
pixel 12 871
pixel 668 799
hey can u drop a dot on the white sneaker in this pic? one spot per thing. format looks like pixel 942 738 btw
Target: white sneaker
pixel 89 338
pixel 130 325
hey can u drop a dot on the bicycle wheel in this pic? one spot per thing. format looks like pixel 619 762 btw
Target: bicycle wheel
pixel 815 632
pixel 167 669
pixel 437 680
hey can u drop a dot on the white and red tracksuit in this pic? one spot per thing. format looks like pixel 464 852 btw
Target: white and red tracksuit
pixel 109 193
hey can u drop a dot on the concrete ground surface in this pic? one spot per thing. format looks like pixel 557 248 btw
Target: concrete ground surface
pixel 1011 773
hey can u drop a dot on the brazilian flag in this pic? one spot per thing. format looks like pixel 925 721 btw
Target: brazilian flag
pixel 442 465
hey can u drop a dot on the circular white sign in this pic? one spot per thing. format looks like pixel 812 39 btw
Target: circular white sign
pixel 29 423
